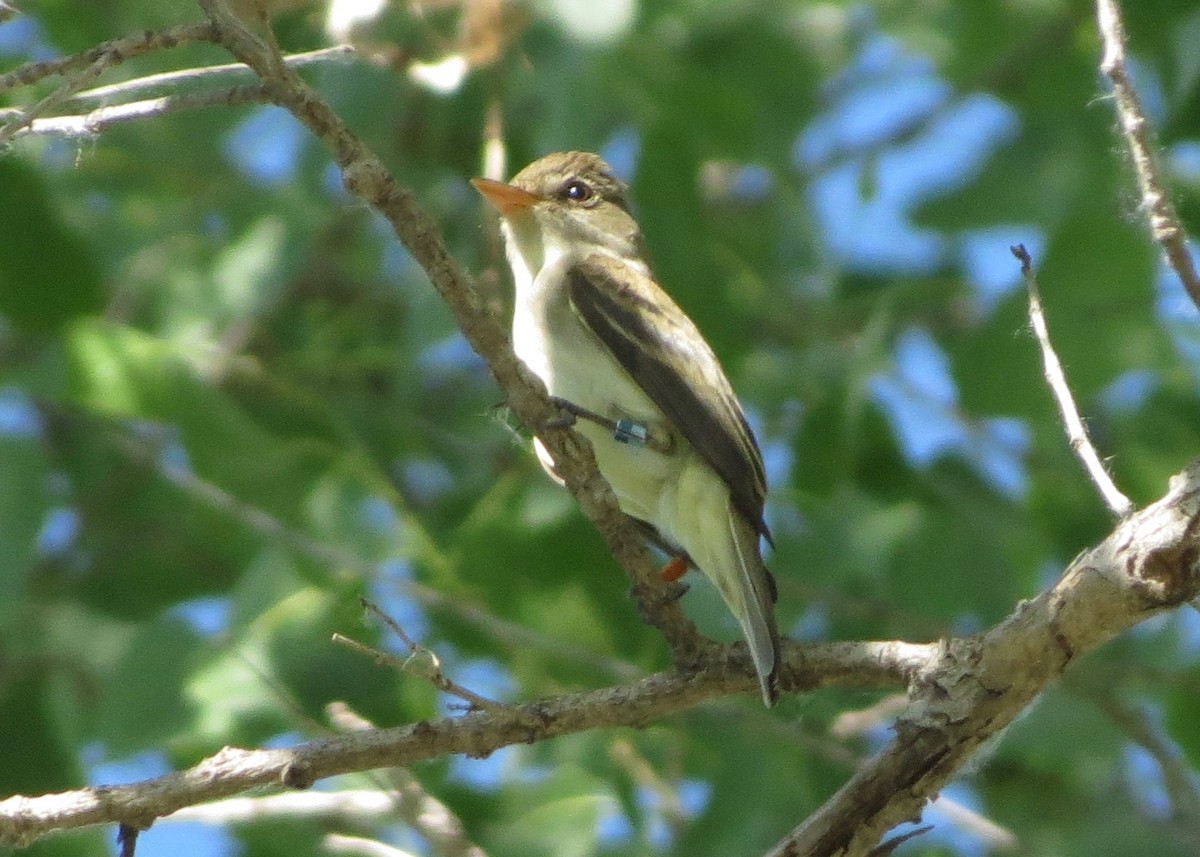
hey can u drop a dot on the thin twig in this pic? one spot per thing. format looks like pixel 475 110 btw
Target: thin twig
pixel 68 88
pixel 1165 227
pixel 392 625
pixel 127 837
pixel 102 118
pixel 205 73
pixel 354 804
pixel 1077 434
pixel 888 847
pixel 120 50
pixel 1179 781
pixel 995 836
pixel 642 772
pixel 421 662
pixel 856 722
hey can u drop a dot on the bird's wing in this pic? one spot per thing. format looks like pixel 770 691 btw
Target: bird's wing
pixel 664 353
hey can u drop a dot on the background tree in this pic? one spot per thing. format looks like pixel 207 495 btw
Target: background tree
pixel 230 405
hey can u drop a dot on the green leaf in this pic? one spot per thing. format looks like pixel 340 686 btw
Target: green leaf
pixel 558 816
pixel 144 706
pixel 47 273
pixel 24 502
pixel 39 756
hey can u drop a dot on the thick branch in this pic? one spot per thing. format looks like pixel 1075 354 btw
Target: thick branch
pixel 979 685
pixel 25 819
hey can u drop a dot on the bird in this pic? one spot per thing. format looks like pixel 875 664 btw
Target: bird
pixel 637 378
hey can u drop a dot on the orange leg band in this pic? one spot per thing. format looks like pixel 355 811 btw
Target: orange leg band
pixel 674 569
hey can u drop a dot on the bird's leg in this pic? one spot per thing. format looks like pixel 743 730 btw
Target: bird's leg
pixel 625 431
pixel 677 565
pixel 656 436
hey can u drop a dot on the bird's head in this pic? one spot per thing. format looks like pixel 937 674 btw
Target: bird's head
pixel 568 200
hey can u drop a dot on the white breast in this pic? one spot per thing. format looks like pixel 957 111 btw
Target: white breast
pixel 575 366
pixel 571 362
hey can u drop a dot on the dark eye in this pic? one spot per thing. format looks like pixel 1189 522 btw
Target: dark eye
pixel 578 191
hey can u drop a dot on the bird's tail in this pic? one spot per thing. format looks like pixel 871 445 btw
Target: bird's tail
pixel 723 545
pixel 727 553
pixel 753 604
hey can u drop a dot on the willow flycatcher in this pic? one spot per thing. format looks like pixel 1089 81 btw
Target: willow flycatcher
pixel 645 388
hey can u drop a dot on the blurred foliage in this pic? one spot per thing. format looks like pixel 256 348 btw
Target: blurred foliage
pixel 230 404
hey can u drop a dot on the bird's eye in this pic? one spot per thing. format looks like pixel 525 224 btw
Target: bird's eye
pixel 577 191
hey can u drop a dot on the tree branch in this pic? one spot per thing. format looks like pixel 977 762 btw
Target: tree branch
pixel 428 816
pixel 1178 780
pixel 32 120
pixel 340 53
pixel 343 804
pixel 421 661
pixel 978 685
pixel 1077 434
pixel 1165 227
pixel 118 50
pixel 25 819
pixel 102 118
pixel 358 846
pixel 964 692
pixel 64 92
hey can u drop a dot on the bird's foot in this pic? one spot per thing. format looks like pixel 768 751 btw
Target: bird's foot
pixel 650 602
pixel 567 414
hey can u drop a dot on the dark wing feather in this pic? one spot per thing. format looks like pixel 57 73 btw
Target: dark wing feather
pixel 664 353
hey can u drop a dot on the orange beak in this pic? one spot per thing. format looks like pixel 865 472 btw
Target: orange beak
pixel 505 198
